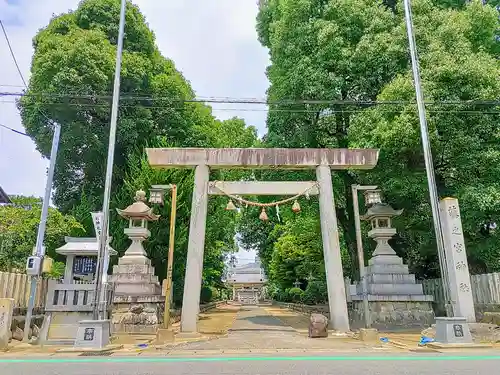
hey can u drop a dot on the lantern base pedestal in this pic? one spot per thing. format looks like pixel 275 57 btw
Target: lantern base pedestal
pixel 395 299
pixel 395 312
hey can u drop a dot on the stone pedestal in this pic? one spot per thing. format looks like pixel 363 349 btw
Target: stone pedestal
pixel 92 334
pixel 452 331
pixel 394 297
pixel 134 275
pixel 137 314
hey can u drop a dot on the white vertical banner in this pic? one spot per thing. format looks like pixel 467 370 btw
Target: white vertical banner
pixel 97 218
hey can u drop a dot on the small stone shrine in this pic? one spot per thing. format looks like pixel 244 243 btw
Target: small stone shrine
pixel 138 301
pixel 395 299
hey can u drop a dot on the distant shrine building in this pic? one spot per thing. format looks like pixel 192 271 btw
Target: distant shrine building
pixel 248 282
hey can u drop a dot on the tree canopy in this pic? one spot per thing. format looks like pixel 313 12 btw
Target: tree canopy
pixel 71 83
pixel 343 67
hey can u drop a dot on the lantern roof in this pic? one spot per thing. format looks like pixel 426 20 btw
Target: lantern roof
pixel 380 210
pixel 138 209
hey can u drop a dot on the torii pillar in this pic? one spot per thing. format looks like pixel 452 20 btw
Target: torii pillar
pixel 323 160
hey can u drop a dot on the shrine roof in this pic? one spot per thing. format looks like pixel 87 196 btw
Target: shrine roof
pixel 82 246
pixel 246 279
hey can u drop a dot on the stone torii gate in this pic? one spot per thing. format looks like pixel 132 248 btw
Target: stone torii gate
pixel 323 160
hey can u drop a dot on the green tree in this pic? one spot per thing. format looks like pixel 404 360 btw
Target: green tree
pixel 458 63
pixel 71 79
pixel 18 231
pixel 337 50
pixel 352 51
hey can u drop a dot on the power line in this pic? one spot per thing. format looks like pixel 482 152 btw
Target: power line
pixel 233 100
pixel 12 53
pixel 284 110
pixel 7 85
pixel 14 130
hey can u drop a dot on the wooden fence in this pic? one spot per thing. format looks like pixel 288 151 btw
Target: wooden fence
pixel 485 289
pixel 17 286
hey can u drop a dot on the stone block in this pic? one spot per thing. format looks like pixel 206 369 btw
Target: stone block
pixel 164 336
pixel 18 334
pixel 453 330
pixel 133 269
pixel 318 326
pixel 134 278
pixel 93 334
pixel 387 268
pixel 390 278
pixel 138 289
pixel 491 318
pixel 6 313
pixel 134 260
pixel 397 289
pixel 385 260
pixel 63 326
pixel 368 334
pixel 395 314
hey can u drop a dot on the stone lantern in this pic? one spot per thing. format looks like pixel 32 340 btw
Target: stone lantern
pixel 134 274
pixel 395 298
pixel 138 214
pixel 379 215
pixel 137 304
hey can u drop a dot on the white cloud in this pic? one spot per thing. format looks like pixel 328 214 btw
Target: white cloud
pixel 213 42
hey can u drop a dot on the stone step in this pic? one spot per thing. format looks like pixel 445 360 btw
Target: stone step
pixel 391 278
pixel 134 260
pixel 134 278
pixel 140 289
pixel 133 269
pixel 389 289
pixel 385 260
pixel 395 297
pixel 401 269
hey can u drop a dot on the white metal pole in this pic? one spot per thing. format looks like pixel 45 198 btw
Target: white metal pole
pixel 40 250
pixel 98 313
pixel 429 166
pixel 361 256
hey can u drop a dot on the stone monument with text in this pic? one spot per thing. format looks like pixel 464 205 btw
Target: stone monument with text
pixel 456 260
pixel 6 312
pixel 137 302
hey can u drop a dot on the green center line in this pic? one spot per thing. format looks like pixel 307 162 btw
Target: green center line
pixel 242 359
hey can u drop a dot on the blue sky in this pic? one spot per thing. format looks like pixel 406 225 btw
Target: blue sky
pixel 213 43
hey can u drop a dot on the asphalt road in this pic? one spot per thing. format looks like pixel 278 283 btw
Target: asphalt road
pixel 290 365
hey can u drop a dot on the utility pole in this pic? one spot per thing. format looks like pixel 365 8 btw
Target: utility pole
pixel 170 259
pixel 98 314
pixel 429 165
pixel 40 249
